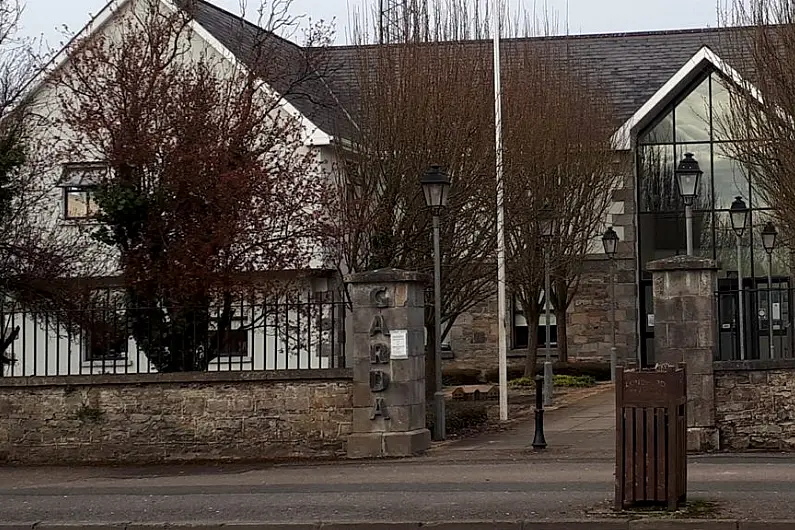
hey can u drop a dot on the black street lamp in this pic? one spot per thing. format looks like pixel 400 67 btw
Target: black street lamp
pixel 688 175
pixel 738 214
pixel 546 225
pixel 436 187
pixel 769 234
pixel 610 243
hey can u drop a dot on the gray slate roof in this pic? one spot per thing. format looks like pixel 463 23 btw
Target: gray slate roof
pixel 630 67
pixel 295 72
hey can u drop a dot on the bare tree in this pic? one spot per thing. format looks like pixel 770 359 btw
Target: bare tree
pixel 427 100
pixel 759 112
pixel 558 155
pixel 209 179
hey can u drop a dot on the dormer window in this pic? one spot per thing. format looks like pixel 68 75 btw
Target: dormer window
pixel 79 183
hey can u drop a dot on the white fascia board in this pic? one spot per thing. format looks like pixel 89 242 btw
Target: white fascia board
pixel 314 135
pixel 622 139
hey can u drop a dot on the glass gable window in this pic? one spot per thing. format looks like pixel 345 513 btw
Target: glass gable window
pixel 698 121
pixel 79 203
pixel 692 115
pixel 695 123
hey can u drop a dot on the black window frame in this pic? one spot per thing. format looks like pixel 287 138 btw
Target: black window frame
pixel 522 341
pixel 235 334
pixel 72 181
pixel 89 190
pixel 94 352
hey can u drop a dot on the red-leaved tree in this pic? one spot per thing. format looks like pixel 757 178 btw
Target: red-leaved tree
pixel 209 179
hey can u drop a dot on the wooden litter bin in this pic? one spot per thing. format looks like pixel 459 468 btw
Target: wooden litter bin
pixel 651 437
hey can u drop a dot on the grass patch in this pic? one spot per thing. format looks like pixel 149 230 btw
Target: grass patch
pixel 693 509
pixel 575 381
pixel 567 381
pixel 522 382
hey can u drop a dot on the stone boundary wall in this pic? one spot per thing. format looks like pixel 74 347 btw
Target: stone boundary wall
pixel 755 404
pixel 185 417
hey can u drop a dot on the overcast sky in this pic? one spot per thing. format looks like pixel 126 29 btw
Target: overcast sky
pixel 44 17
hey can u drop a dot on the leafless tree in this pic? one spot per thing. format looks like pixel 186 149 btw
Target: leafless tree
pixel 558 155
pixel 759 113
pixel 426 99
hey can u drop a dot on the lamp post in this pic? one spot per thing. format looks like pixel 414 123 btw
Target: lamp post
pixel 688 175
pixel 738 214
pixel 436 186
pixel 769 234
pixel 546 226
pixel 610 243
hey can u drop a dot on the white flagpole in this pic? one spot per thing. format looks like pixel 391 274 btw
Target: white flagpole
pixel 501 298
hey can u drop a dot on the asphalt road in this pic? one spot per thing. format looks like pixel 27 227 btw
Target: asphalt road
pixel 529 487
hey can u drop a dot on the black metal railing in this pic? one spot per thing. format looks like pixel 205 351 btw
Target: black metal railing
pixel 242 333
pixel 767 324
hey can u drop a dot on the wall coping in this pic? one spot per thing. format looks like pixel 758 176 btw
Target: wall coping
pixel 390 275
pixel 755 364
pixel 682 263
pixel 272 376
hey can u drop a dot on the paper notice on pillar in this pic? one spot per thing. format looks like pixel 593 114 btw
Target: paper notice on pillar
pixel 776 311
pixel 398 344
pixel 650 320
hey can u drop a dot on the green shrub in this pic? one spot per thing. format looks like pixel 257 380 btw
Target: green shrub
pixel 522 382
pixel 461 376
pixel 460 417
pixel 575 381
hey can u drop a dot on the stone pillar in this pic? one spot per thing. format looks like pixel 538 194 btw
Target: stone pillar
pixel 685 330
pixel 385 344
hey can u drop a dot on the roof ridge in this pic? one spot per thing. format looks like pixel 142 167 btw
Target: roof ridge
pixel 585 36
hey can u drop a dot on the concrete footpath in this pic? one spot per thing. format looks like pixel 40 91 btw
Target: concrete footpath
pixel 584 430
pixel 495 481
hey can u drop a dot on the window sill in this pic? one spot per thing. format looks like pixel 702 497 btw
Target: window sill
pixel 87 221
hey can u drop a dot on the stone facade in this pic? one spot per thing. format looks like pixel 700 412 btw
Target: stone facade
pixel 188 417
pixel 473 339
pixel 755 404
